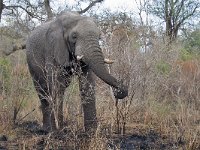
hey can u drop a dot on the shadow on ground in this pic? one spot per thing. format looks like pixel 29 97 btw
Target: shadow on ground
pixel 149 141
pixel 29 135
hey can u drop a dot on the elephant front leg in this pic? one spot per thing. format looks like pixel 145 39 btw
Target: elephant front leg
pixel 64 81
pixel 48 114
pixel 87 92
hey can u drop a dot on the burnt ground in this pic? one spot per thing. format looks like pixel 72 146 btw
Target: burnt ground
pixel 29 135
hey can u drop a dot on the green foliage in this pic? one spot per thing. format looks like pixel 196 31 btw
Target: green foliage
pixel 195 41
pixel 161 109
pixel 186 55
pixel 18 93
pixel 5 71
pixel 192 42
pixel 163 67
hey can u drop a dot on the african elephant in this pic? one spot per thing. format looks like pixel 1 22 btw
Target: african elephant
pixel 56 50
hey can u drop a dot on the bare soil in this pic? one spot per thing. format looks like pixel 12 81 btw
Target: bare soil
pixel 29 135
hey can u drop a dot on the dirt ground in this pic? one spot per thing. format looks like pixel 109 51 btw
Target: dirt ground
pixel 29 135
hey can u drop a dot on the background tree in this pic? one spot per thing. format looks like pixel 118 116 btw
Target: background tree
pixel 36 9
pixel 14 8
pixel 175 13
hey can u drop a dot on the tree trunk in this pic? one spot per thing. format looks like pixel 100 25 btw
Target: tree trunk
pixel 48 9
pixel 168 21
pixel 167 18
pixel 1 8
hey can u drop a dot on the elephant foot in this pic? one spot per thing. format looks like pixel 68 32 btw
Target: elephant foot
pixel 49 122
pixel 90 127
pixel 54 125
pixel 60 122
pixel 46 127
pixel 41 132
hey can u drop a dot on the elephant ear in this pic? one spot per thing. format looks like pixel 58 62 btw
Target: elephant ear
pixel 56 44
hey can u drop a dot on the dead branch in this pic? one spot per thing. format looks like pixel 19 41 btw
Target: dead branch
pixel 89 6
pixel 18 6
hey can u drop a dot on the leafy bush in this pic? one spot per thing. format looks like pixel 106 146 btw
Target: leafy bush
pixel 163 67
pixel 5 74
pixel 186 55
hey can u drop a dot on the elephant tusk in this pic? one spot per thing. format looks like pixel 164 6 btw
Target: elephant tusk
pixel 108 61
pixel 79 57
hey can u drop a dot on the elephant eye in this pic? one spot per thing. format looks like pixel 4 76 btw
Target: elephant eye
pixel 100 36
pixel 74 36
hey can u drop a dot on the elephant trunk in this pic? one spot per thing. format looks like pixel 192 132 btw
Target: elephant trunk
pixel 97 64
pixel 101 71
pixel 93 57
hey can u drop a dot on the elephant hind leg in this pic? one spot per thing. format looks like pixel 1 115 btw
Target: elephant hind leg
pixel 46 114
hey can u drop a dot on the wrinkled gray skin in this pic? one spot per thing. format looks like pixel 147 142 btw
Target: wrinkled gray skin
pixel 52 49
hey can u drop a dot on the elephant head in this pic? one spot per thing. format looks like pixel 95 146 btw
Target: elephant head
pixel 76 37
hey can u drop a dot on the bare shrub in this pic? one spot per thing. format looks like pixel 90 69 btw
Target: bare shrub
pixel 163 89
